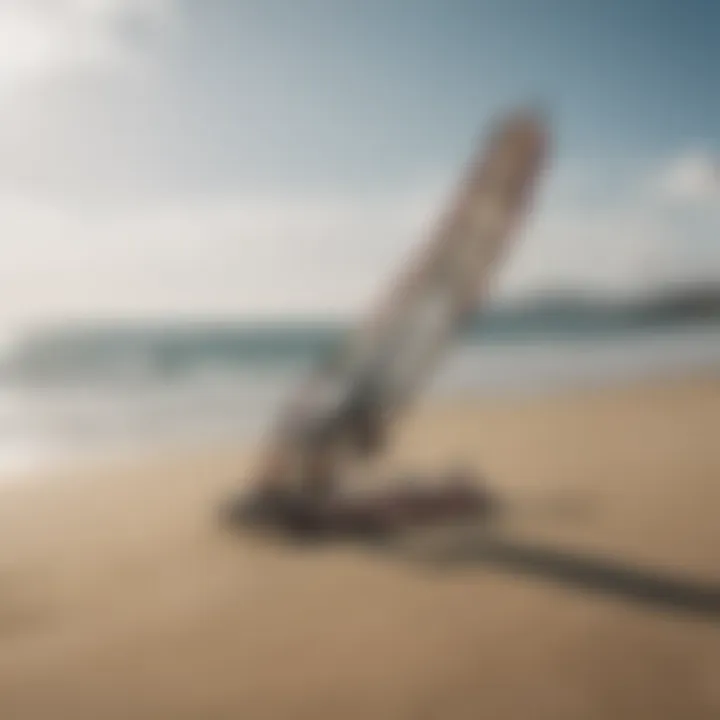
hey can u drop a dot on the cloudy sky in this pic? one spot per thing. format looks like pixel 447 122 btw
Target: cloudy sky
pixel 269 156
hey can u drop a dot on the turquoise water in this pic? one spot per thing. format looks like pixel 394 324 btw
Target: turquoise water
pixel 68 390
pixel 155 351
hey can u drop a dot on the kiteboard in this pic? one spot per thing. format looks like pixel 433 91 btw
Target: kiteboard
pixel 342 412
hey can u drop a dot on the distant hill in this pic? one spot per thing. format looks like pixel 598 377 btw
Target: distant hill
pixel 570 313
pixel 698 302
pixel 679 303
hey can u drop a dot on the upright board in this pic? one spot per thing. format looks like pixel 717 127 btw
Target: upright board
pixel 389 356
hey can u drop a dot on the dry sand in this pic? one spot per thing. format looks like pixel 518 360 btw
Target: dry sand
pixel 119 598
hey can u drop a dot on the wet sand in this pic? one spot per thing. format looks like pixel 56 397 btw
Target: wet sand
pixel 119 598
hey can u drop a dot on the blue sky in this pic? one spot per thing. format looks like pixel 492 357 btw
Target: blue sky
pixel 238 156
pixel 383 87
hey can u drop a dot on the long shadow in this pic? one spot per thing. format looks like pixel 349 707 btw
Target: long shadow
pixel 594 574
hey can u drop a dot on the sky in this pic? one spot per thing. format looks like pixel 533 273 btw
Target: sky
pixel 244 157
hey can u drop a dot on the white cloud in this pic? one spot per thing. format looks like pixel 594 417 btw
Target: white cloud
pixel 253 254
pixel 243 253
pixel 692 177
pixel 236 254
pixel 604 250
pixel 42 39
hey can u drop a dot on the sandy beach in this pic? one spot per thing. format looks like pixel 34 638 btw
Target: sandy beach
pixel 119 598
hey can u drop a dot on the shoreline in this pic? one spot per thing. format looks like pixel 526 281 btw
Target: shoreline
pixel 120 598
pixel 131 454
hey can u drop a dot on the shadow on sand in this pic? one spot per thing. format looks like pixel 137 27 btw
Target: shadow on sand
pixel 487 546
pixel 598 575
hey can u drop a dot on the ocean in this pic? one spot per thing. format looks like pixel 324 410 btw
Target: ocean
pixel 85 391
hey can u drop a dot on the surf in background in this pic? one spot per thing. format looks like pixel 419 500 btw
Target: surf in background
pixel 81 390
